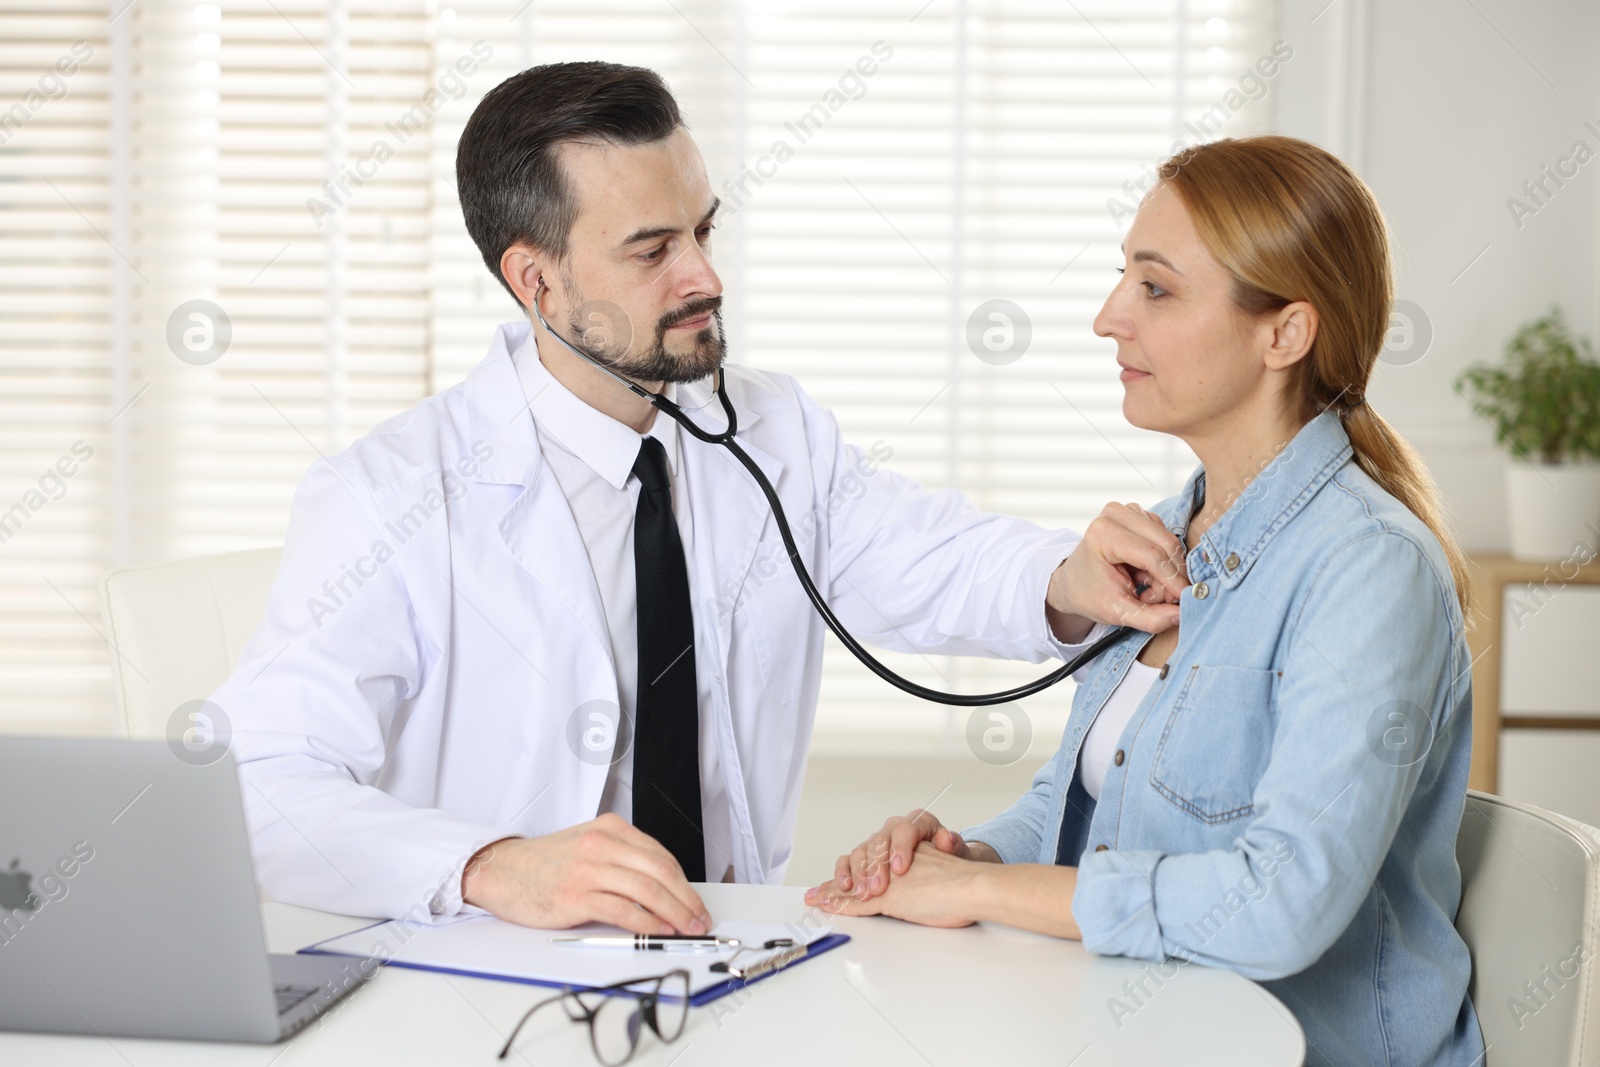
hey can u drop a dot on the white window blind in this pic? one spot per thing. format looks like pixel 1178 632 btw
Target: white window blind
pixel 292 162
pixel 56 283
pixel 976 166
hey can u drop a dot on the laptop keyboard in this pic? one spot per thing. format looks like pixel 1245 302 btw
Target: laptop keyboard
pixel 291 995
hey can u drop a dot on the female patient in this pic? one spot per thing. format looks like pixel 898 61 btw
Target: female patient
pixel 1275 786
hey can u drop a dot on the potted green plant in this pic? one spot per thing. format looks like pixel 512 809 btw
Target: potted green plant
pixel 1544 402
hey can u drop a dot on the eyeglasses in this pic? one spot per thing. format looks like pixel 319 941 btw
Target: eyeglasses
pixel 617 1013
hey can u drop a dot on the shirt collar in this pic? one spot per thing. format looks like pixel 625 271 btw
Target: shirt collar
pixel 606 445
pixel 1272 498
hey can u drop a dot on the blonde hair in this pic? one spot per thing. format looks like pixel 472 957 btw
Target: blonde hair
pixel 1290 222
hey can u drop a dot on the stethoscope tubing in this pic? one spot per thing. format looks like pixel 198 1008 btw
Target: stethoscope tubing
pixel 726 438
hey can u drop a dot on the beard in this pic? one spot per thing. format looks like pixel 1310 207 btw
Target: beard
pixel 708 346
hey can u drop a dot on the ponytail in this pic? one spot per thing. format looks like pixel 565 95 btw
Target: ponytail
pixel 1389 460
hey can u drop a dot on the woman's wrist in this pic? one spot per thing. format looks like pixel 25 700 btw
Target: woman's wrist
pixel 981 896
pixel 1031 896
pixel 985 895
pixel 983 852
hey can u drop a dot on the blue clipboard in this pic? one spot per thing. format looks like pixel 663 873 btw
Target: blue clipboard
pixel 733 985
pixel 700 999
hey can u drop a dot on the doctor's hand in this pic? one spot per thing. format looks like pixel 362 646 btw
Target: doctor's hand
pixel 1125 549
pixel 604 870
pixel 865 872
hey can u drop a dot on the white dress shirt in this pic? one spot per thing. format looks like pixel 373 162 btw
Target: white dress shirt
pixel 592 456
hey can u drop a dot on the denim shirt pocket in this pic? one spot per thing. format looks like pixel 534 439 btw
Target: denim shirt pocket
pixel 1216 742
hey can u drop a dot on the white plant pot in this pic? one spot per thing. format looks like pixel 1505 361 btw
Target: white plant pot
pixel 1553 509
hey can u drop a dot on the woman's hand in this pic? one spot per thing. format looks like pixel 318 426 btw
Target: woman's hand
pixel 865 871
pixel 940 889
pixel 945 890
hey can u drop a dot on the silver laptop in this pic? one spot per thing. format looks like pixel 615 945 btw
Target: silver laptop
pixel 128 901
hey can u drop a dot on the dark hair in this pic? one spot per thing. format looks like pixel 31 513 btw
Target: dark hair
pixel 512 186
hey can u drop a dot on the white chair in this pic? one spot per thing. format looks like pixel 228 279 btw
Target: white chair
pixel 177 629
pixel 1530 898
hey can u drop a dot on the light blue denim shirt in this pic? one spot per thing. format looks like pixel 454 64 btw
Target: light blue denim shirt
pixel 1286 798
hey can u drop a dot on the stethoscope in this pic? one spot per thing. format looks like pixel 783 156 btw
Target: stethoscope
pixel 726 440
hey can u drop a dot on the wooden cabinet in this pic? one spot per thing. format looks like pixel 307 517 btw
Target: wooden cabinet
pixel 1535 666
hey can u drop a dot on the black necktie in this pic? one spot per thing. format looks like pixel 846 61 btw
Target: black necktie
pixel 666 738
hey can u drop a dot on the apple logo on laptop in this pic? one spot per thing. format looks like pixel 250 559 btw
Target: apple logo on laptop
pixel 14 891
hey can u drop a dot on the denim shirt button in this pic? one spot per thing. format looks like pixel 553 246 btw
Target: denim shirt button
pixel 1165 667
pixel 1201 590
pixel 1101 848
pixel 1119 757
pixel 1232 562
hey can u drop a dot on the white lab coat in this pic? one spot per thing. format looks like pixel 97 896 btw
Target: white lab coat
pixel 434 650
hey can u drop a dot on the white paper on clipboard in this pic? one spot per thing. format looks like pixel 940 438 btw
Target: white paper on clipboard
pixel 486 947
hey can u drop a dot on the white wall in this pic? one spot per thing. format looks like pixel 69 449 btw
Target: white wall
pixel 1446 112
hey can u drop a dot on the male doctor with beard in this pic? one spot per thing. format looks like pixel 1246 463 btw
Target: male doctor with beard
pixel 531 649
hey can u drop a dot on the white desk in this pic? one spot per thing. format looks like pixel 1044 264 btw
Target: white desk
pixel 896 994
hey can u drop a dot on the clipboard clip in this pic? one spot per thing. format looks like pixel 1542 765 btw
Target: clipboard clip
pixel 755 969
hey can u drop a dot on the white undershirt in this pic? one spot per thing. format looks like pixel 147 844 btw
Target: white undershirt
pixel 1100 747
pixel 592 455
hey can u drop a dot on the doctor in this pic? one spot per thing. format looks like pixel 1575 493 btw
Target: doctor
pixel 533 650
